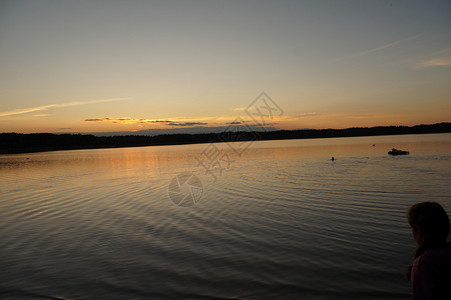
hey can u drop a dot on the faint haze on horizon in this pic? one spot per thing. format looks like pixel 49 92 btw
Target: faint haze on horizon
pixel 112 66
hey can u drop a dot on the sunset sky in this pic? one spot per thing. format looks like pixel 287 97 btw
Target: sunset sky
pixel 111 66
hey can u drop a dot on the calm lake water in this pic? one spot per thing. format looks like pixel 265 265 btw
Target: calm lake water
pixel 280 221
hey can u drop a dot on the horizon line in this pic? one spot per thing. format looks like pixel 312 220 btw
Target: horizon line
pixel 131 133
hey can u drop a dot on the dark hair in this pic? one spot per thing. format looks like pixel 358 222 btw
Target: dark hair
pixel 430 226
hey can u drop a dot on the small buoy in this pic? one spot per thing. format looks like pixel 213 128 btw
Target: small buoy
pixel 374 145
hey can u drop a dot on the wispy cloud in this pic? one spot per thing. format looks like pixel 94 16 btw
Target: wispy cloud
pixel 145 121
pixel 437 62
pixel 379 48
pixel 442 58
pixel 187 124
pixel 302 115
pixel 49 106
pixel 192 118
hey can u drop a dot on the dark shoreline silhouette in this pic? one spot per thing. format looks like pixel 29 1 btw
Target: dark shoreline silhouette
pixel 38 142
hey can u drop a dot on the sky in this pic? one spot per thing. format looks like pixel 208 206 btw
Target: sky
pixel 115 66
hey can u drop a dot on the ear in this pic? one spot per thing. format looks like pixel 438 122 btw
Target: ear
pixel 416 235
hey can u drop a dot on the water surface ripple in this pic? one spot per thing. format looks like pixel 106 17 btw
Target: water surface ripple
pixel 283 221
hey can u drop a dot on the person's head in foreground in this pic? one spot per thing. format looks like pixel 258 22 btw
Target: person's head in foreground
pixel 431 271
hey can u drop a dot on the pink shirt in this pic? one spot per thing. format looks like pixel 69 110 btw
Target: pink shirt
pixel 431 275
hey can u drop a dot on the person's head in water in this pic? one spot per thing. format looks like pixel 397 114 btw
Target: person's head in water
pixel 430 225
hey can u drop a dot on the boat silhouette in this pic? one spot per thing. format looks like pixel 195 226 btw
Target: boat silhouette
pixel 397 152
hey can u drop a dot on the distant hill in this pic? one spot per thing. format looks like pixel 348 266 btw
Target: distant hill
pixel 35 142
pixel 181 130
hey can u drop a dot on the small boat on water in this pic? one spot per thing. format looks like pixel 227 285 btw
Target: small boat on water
pixel 397 152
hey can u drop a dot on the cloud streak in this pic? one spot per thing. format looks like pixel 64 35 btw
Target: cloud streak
pixel 379 48
pixel 443 58
pixel 193 122
pixel 49 106
pixel 145 121
pixel 188 124
pixel 437 62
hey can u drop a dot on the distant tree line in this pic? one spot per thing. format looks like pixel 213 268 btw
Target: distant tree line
pixel 34 142
pixel 357 131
